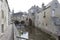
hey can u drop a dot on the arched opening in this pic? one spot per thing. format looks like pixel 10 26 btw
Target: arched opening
pixel 30 22
pixel 22 22
pixel 16 22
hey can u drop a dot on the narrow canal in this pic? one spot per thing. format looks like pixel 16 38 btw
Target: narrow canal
pixel 32 33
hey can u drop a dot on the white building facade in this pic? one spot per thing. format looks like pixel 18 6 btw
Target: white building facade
pixel 4 11
pixel 49 18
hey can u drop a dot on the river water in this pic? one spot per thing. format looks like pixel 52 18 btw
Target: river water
pixel 33 33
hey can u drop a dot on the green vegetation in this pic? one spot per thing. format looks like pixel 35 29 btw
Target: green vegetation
pixel 20 32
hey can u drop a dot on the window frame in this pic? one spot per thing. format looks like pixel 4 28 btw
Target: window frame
pixel 44 15
pixel 2 12
pixel 2 28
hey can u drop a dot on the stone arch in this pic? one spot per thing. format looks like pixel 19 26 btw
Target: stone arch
pixel 16 22
pixel 22 22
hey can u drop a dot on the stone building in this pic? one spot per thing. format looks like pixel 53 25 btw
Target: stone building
pixel 32 11
pixel 20 16
pixel 4 11
pixel 49 19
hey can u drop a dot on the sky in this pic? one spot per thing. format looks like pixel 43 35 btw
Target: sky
pixel 24 5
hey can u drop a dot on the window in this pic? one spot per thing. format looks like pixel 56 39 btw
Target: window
pixel 44 15
pixel 32 13
pixel 56 5
pixel 2 13
pixel 53 12
pixel 2 28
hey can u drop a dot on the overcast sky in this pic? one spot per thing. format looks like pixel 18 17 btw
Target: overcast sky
pixel 24 5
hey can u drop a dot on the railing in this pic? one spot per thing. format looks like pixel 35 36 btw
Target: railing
pixel 15 32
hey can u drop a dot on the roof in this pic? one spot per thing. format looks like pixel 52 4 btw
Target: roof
pixel 8 5
pixel 49 4
pixel 18 14
pixel 34 9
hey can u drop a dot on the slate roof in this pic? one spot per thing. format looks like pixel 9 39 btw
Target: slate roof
pixel 18 14
pixel 35 9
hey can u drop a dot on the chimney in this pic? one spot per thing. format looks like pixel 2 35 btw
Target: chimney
pixel 43 7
